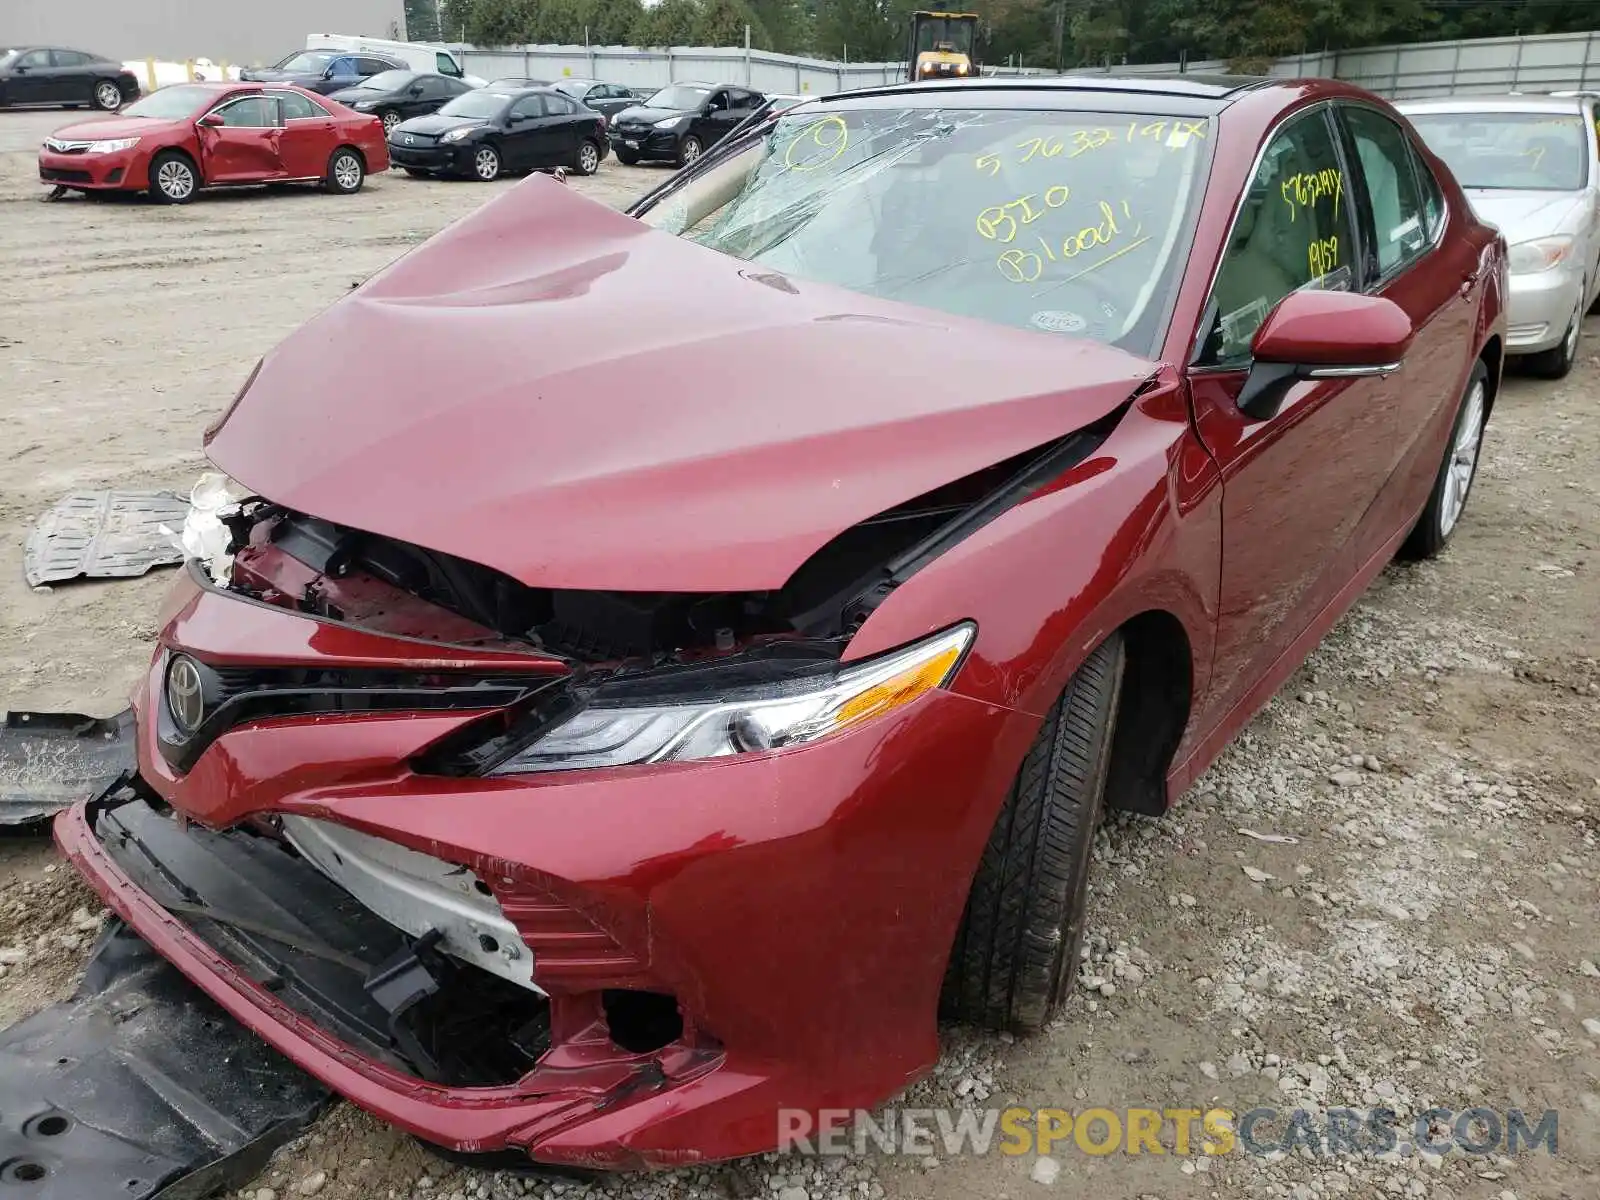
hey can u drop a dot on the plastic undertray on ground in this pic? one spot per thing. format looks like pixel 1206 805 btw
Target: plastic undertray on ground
pixel 51 760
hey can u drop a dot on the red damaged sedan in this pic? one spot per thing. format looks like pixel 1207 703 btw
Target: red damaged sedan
pixel 655 723
pixel 191 136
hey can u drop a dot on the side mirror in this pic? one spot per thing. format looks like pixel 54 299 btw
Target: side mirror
pixel 212 120
pixel 1322 335
pixel 328 74
pixel 414 90
pixel 19 69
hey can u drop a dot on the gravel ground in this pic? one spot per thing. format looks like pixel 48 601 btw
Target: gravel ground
pixel 1382 895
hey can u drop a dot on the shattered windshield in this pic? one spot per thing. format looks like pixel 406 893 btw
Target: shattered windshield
pixel 1069 222
pixel 1519 151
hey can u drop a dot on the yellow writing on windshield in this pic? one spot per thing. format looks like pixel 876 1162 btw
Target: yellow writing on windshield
pixel 1324 255
pixel 1536 153
pixel 1308 187
pixel 1000 222
pixel 821 143
pixel 1174 134
pixel 1024 266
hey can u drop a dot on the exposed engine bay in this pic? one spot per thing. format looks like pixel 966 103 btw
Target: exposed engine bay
pixel 285 558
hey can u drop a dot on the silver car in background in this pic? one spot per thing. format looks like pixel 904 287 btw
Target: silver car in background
pixel 1529 165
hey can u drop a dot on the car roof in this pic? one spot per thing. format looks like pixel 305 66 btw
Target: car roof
pixel 1503 103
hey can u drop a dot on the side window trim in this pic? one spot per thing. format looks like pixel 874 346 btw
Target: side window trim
pixel 235 101
pixel 1197 340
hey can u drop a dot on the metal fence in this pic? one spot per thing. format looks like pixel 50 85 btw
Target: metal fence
pixel 1544 63
pixel 635 66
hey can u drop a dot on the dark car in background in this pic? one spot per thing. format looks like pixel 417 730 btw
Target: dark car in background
pixel 55 75
pixel 485 132
pixel 395 96
pixel 608 98
pixel 322 71
pixel 680 122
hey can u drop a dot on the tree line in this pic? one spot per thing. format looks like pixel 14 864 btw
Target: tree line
pixel 1034 33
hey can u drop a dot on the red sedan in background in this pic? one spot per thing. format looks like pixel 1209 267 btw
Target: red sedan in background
pixel 806 560
pixel 181 139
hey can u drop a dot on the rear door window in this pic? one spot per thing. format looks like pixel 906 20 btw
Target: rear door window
pixel 1398 227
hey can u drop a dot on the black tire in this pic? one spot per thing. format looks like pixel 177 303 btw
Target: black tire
pixel 689 149
pixel 1557 363
pixel 627 158
pixel 167 172
pixel 587 161
pixel 106 95
pixel 416 174
pixel 1432 531
pixel 346 172
pixel 487 163
pixel 1016 952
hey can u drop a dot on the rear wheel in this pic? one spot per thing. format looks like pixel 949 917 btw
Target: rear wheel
pixel 1453 483
pixel 689 149
pixel 107 96
pixel 486 163
pixel 1557 363
pixel 1017 948
pixel 588 161
pixel 346 172
pixel 173 179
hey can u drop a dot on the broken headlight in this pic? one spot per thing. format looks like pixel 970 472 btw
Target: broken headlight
pixel 615 733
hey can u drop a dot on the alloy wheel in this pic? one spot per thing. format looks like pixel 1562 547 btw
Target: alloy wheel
pixel 1463 464
pixel 588 158
pixel 691 151
pixel 390 120
pixel 486 163
pixel 175 179
pixel 347 172
pixel 107 96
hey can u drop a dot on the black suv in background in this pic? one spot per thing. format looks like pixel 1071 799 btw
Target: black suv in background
pixel 53 75
pixel 680 122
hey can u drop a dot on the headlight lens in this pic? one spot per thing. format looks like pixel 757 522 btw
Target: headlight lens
pixel 364 105
pixel 669 123
pixel 615 735
pixel 111 146
pixel 1540 254
pixel 455 135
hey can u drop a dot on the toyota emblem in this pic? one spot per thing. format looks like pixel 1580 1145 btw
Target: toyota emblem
pixel 409 139
pixel 186 699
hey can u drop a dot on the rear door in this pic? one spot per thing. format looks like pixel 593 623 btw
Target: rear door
pixel 1296 485
pixel 248 146
pixel 309 136
pixel 72 76
pixel 1409 261
pixel 525 127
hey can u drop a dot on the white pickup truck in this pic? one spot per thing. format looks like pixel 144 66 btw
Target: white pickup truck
pixel 419 56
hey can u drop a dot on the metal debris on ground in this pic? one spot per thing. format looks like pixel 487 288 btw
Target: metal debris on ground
pixel 51 760
pixel 102 535
pixel 140 1087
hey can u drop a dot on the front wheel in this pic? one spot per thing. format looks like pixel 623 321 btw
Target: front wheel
pixel 390 119
pixel 1460 467
pixel 486 163
pixel 346 172
pixel 689 149
pixel 173 179
pixel 588 161
pixel 416 174
pixel 627 158
pixel 1017 948
pixel 107 96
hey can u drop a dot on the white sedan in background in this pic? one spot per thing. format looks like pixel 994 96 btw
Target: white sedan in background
pixel 1529 165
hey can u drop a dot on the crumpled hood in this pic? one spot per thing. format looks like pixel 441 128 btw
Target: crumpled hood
pixel 560 392
pixel 1523 215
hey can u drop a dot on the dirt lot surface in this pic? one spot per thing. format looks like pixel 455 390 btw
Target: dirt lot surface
pixel 1429 938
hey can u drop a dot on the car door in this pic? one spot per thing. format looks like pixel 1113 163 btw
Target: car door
pixel 248 146
pixel 71 77
pixel 525 121
pixel 437 91
pixel 713 120
pixel 1408 260
pixel 33 78
pixel 309 136
pixel 1295 486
